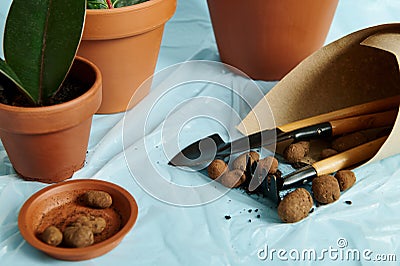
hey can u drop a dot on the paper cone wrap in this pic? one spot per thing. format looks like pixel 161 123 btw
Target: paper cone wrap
pixel 358 68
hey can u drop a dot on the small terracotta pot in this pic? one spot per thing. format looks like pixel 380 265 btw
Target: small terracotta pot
pixel 267 38
pixel 124 43
pixel 48 144
pixel 59 205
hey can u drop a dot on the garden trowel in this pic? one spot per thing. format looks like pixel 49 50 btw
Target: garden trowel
pixel 380 113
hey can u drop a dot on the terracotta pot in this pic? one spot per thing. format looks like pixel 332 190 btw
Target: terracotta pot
pixel 48 144
pixel 124 43
pixel 59 205
pixel 267 38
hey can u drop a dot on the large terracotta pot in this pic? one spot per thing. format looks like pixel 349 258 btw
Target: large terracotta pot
pixel 124 43
pixel 267 38
pixel 48 144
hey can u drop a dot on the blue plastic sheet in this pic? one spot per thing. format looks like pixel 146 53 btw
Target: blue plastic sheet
pixel 233 228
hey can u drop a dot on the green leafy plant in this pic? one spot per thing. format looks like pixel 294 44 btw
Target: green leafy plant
pixel 41 38
pixel 107 4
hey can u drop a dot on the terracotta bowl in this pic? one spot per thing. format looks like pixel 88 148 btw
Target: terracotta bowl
pixel 60 205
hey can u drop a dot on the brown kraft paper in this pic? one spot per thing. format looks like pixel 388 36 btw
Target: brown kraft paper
pixel 358 68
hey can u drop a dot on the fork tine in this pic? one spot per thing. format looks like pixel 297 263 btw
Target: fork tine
pixel 248 170
pixel 257 177
pixel 273 190
pixel 269 188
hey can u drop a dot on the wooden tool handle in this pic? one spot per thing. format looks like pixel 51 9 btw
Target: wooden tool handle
pixel 348 158
pixel 356 123
pixel 361 109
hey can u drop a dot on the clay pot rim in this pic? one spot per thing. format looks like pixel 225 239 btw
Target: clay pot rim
pixel 142 18
pixel 73 253
pixel 62 106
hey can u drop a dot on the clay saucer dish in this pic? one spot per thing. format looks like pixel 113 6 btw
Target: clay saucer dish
pixel 60 205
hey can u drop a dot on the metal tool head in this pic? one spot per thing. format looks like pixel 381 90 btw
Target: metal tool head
pixel 201 152
pixel 213 147
pixel 260 181
pixel 271 186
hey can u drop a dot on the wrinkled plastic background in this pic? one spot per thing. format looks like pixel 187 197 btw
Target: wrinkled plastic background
pixel 170 235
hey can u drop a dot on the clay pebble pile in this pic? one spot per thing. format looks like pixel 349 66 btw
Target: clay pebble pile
pixel 297 204
pixel 80 233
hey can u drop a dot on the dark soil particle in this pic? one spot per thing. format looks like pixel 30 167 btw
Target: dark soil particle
pixel 258 216
pixel 256 210
pixel 227 217
pixel 312 210
pixel 250 210
pixel 348 202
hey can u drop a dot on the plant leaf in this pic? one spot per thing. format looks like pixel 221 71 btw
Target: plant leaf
pixel 40 42
pixel 10 74
pixel 96 4
pixel 122 3
pixel 101 4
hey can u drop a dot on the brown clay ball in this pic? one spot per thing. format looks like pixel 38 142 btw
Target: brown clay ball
pixel 217 168
pixel 346 179
pixel 96 224
pixel 78 236
pixel 295 206
pixel 296 151
pixel 306 146
pixel 325 153
pixel 233 178
pixel 97 199
pixel 325 189
pixel 349 141
pixel 240 162
pixel 269 163
pixel 52 236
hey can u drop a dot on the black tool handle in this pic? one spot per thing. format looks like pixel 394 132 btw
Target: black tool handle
pixel 317 131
